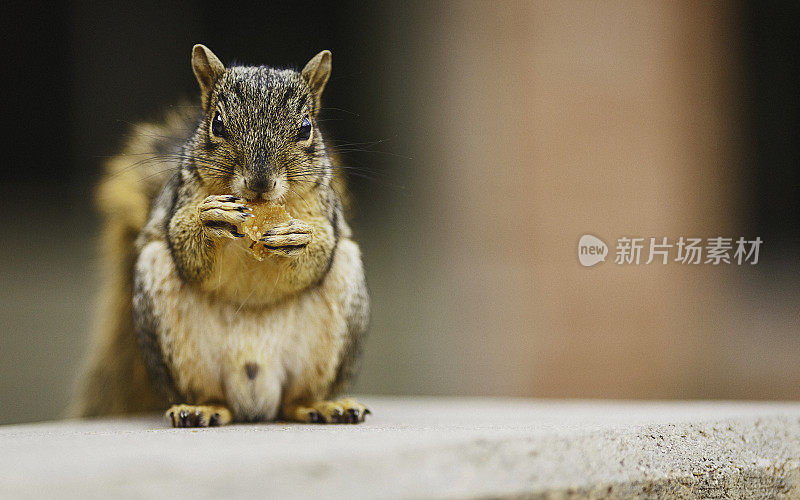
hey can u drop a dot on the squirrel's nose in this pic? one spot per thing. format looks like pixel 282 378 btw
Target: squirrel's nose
pixel 259 184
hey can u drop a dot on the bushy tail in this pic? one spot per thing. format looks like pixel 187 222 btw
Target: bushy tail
pixel 115 378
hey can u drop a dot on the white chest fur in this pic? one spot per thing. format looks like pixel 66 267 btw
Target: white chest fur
pixel 247 357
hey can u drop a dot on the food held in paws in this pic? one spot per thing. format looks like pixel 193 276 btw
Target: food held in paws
pixel 265 216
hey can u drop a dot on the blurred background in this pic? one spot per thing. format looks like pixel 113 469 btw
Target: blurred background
pixel 493 135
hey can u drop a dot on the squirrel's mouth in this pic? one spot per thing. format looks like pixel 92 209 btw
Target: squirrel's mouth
pixel 276 193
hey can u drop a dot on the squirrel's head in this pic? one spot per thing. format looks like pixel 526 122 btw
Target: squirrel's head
pixel 259 137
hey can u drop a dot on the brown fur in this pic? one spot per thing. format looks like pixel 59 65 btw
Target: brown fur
pixel 219 328
pixel 115 379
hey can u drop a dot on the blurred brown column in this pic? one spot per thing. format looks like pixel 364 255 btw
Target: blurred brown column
pixel 557 119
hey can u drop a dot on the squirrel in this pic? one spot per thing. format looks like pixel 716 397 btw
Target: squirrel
pixel 189 321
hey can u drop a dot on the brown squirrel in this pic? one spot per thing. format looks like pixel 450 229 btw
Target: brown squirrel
pixel 190 322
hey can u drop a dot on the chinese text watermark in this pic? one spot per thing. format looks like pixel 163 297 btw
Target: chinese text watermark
pixel 662 250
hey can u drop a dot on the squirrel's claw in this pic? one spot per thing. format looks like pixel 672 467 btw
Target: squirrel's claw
pixel 198 416
pixel 289 238
pixel 222 215
pixel 342 411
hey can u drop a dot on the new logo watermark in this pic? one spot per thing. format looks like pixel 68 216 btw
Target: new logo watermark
pixel 690 251
pixel 591 250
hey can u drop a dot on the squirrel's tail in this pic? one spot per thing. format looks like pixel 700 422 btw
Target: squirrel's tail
pixel 115 379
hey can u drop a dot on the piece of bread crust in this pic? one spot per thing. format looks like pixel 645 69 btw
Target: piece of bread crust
pixel 266 215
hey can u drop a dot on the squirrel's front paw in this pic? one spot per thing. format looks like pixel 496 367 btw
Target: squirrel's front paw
pixel 198 415
pixel 289 238
pixel 222 215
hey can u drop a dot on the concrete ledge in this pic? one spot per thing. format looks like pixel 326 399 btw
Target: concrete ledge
pixel 420 447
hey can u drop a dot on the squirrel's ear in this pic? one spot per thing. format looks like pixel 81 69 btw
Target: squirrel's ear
pixel 207 68
pixel 317 72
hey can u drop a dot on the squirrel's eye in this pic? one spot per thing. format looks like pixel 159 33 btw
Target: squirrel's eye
pixel 217 127
pixel 305 130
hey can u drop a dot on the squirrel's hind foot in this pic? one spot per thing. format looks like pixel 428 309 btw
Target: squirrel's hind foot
pixel 198 415
pixel 342 411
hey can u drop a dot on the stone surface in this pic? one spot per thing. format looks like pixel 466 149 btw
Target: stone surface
pixel 424 447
